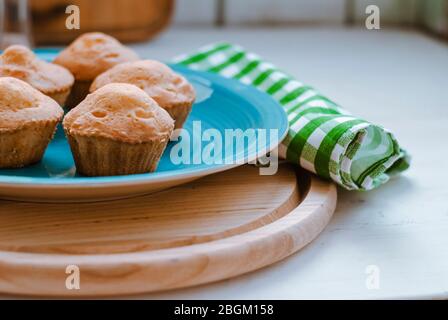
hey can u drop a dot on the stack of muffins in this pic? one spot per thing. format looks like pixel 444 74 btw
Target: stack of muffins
pixel 122 110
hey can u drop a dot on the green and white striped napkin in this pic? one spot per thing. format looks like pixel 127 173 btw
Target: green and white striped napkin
pixel 323 138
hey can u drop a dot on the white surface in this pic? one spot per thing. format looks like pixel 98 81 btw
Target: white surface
pixel 194 12
pixel 394 78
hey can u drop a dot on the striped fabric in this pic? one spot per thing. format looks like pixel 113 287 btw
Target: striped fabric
pixel 323 138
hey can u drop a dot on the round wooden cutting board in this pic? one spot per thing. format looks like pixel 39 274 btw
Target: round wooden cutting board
pixel 215 228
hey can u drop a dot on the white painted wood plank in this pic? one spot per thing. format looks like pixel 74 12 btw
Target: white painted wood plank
pixel 194 12
pixel 284 11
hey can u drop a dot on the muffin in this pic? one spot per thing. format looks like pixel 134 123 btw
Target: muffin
pixel 87 57
pixel 170 90
pixel 50 79
pixel 28 120
pixel 117 130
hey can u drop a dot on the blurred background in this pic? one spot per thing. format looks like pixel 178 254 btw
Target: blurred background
pixel 44 21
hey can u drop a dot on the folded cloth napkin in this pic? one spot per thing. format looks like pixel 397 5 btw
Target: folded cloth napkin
pixel 323 138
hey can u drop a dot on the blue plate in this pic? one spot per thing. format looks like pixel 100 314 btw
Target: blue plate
pixel 223 106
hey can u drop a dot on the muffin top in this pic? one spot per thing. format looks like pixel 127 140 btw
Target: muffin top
pixel 122 112
pixel 21 63
pixel 93 53
pixel 21 104
pixel 155 78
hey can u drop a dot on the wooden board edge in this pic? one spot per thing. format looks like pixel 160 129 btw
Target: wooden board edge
pixel 143 272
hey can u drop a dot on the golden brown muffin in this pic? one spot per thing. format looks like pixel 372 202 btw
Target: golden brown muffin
pixel 88 56
pixel 171 91
pixel 28 120
pixel 50 79
pixel 117 130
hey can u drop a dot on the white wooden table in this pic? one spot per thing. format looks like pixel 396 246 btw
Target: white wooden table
pixel 395 78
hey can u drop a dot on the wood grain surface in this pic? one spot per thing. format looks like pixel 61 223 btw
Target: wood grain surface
pixel 127 20
pixel 215 228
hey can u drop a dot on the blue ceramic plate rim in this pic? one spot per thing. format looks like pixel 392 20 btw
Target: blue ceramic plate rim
pixel 273 117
